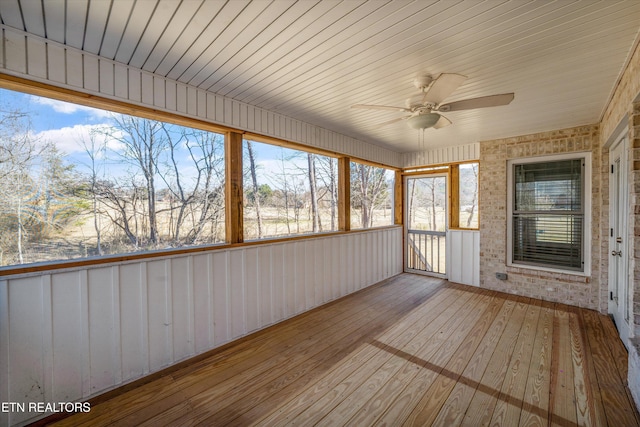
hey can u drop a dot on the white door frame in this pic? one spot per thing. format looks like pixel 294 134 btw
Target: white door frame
pixel 406 223
pixel 618 253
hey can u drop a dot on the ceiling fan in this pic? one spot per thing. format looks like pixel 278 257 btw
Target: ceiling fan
pixel 425 109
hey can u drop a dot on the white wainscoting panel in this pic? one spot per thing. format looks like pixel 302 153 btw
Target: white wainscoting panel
pixel 71 334
pixel 464 256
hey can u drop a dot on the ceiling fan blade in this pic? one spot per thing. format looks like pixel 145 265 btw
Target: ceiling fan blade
pixel 482 102
pixel 442 87
pixel 442 122
pixel 379 125
pixel 380 107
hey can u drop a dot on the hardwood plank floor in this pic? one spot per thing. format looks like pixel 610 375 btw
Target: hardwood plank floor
pixel 411 350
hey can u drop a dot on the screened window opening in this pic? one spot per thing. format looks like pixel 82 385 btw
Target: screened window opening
pixel 371 196
pixel 79 182
pixel 468 195
pixel 288 192
pixel 548 214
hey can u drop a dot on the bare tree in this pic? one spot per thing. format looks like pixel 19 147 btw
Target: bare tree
pixel 17 147
pixel 94 150
pixel 369 190
pixel 254 183
pixel 18 204
pixel 120 201
pixel 174 181
pixel 39 191
pixel 206 150
pixel 411 217
pixel 471 181
pixel 18 150
pixel 431 186
pixel 431 196
pixel 143 142
pixel 298 190
pixel 328 176
pixel 282 183
pixel 315 215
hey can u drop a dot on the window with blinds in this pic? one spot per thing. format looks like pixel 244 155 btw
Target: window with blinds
pixel 548 214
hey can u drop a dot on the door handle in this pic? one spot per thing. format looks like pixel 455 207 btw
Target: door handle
pixel 618 253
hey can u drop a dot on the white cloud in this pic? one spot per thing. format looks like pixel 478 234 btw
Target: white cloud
pixel 70 139
pixel 69 108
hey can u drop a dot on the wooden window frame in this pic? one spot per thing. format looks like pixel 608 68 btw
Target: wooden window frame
pixel 454 217
pixel 453 194
pixel 396 191
pixel 586 209
pixel 234 234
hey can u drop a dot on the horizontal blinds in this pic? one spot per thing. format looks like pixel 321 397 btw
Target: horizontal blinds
pixel 548 214
pixel 553 240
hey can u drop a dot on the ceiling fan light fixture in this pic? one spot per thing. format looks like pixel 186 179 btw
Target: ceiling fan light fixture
pixel 423 121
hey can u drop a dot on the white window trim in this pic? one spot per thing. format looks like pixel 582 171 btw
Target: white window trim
pixel 586 241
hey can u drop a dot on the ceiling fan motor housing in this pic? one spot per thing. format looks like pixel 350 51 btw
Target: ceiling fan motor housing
pixel 422 82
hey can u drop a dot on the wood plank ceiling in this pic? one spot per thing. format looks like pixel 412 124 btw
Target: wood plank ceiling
pixel 312 59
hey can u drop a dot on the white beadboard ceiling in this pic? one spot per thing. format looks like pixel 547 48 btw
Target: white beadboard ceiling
pixel 311 60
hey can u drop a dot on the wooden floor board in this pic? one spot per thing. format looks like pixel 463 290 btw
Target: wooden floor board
pixel 411 350
pixel 434 352
pixel 509 406
pixel 485 398
pixel 619 355
pixel 580 371
pixel 536 397
pixel 224 402
pixel 562 408
pixel 230 376
pixel 615 396
pixel 346 393
pixel 422 398
pixel 455 407
pixel 598 416
pixel 368 355
pixel 150 398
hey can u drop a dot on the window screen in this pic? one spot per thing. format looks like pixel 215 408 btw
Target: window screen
pixel 548 214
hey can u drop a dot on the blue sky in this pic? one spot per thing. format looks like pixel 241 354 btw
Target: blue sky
pixel 61 123
pixel 67 125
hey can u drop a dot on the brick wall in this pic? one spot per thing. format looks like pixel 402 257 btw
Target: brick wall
pixel 624 108
pixel 567 288
pixel 634 223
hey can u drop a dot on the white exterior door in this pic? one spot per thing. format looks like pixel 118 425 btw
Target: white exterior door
pixel 618 236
